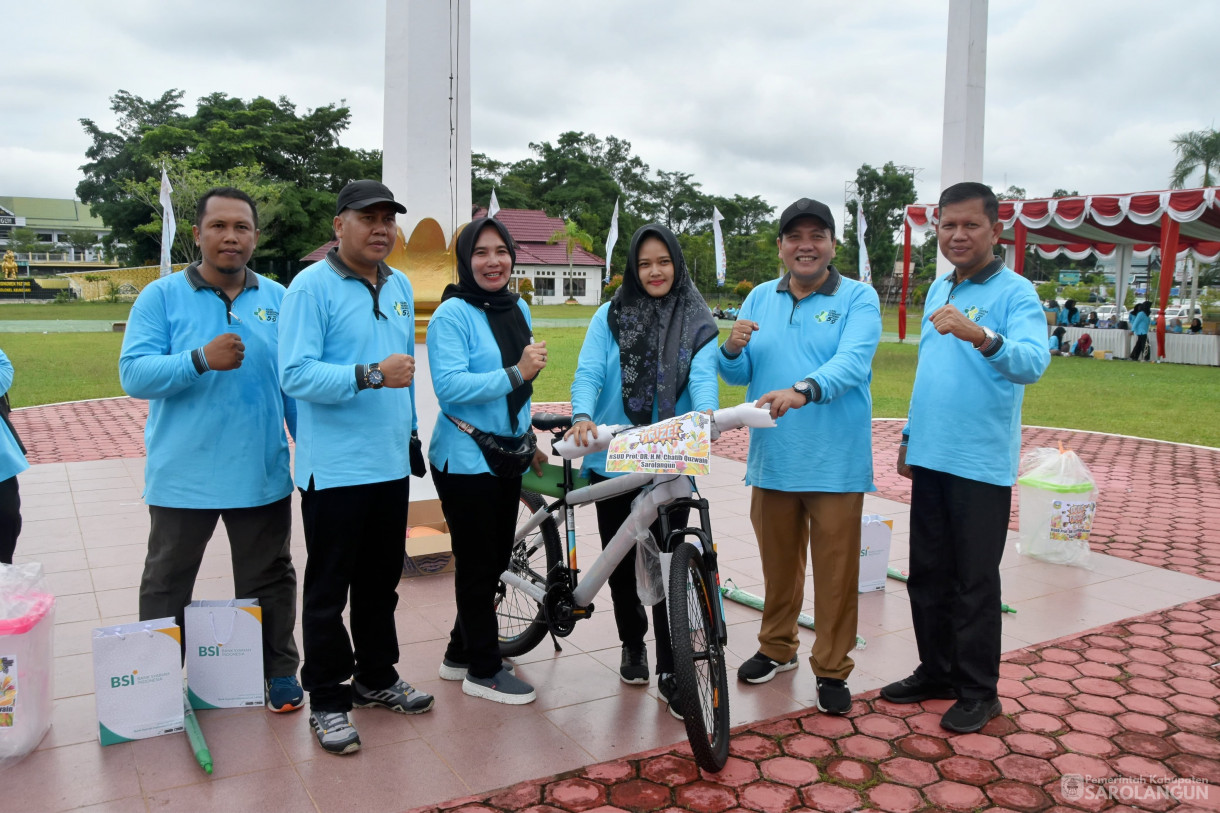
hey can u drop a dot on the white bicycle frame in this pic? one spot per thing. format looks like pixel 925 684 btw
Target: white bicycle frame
pixel 666 489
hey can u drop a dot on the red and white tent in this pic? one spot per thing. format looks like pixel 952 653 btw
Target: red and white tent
pixel 1176 220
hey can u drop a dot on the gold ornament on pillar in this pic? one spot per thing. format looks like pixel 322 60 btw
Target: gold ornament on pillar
pixel 429 264
pixel 10 265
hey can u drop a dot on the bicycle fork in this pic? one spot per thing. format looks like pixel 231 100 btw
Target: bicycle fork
pixel 672 537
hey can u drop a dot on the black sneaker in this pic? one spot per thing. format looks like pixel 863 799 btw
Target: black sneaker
pixel 634 666
pixel 760 668
pixel 915 689
pixel 968 716
pixel 667 687
pixel 833 696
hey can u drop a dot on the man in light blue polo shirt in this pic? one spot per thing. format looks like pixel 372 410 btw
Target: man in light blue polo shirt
pixel 347 346
pixel 804 345
pixel 201 347
pixel 982 341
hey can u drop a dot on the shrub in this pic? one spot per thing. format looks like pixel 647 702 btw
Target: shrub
pixel 611 287
pixel 743 288
pixel 526 289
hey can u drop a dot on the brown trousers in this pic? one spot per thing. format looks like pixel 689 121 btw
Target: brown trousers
pixel 795 526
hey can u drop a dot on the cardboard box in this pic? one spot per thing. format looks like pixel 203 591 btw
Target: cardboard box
pixel 875 532
pixel 427 555
pixel 1052 317
pixel 1211 328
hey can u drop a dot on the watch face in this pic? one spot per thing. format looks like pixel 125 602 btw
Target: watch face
pixel 801 386
pixel 376 378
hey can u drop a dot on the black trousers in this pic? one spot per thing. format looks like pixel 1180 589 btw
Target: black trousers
pixel 958 528
pixel 1140 351
pixel 259 540
pixel 629 613
pixel 481 510
pixel 355 537
pixel 10 519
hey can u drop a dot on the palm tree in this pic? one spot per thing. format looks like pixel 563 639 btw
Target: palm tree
pixel 1199 149
pixel 571 235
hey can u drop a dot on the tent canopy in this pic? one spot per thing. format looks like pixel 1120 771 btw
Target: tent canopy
pixel 1097 224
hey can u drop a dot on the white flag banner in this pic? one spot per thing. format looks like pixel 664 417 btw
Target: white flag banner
pixel 866 270
pixel 169 227
pixel 718 241
pixel 494 206
pixel 611 239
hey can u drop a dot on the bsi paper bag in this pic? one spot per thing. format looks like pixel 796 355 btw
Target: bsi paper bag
pixel 137 680
pixel 224 653
pixel 875 532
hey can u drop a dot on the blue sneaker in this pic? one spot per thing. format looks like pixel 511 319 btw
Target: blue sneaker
pixel 284 693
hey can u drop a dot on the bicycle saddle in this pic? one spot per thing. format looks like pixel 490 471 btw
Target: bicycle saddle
pixel 545 421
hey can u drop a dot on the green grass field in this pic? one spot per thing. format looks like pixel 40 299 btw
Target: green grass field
pixel 1164 401
pixel 24 311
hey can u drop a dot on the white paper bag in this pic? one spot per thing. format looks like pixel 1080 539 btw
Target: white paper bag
pixel 875 531
pixel 224 653
pixel 137 680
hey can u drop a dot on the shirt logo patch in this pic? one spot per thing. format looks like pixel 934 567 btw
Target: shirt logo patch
pixel 266 314
pixel 402 308
pixel 827 316
pixel 974 313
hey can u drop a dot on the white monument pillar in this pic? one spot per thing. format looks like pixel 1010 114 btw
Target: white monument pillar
pixel 961 156
pixel 426 143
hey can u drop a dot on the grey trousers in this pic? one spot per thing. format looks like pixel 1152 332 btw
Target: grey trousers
pixel 259 539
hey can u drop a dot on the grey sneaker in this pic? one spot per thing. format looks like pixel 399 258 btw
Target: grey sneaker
pixel 334 731
pixel 503 687
pixel 456 670
pixel 400 697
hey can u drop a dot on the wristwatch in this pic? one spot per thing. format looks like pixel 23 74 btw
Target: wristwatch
pixel 804 389
pixel 374 379
pixel 989 339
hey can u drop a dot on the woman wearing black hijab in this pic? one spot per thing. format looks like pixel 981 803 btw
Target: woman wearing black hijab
pixel 483 364
pixel 649 354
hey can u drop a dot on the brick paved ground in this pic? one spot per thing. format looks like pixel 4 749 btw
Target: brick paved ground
pixel 1159 502
pixel 1131 707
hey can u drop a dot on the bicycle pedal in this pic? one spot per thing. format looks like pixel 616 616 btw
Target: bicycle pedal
pixel 582 612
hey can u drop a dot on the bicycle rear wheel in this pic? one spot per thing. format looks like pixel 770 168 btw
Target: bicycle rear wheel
pixel 519 616
pixel 699 666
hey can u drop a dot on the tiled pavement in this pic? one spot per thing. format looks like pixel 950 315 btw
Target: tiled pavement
pixel 1131 706
pixel 86 524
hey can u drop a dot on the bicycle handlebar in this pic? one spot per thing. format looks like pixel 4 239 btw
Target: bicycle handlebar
pixel 732 417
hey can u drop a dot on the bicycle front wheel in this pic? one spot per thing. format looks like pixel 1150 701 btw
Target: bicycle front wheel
pixel 519 616
pixel 699 666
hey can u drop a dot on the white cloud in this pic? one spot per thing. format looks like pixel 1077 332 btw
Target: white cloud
pixel 773 98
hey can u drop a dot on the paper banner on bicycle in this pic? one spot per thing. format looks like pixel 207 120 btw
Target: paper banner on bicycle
pixel 679 445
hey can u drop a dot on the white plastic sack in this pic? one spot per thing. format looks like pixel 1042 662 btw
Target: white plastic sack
pixel 1058 501
pixel 648 582
pixel 27 619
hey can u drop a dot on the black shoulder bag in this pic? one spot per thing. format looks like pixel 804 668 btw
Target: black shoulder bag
pixel 505 456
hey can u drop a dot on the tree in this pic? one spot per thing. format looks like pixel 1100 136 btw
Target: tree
pixel 81 240
pixel 189 185
pixel 885 194
pixel 571 235
pixel 299 154
pixel 1012 193
pixel 1196 150
pixel 24 241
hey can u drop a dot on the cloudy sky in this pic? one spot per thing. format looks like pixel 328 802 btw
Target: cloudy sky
pixel 778 99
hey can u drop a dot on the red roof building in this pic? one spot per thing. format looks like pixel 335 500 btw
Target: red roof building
pixel 544 265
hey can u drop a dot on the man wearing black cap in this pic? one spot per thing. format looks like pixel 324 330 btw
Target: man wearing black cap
pixel 347 340
pixel 804 345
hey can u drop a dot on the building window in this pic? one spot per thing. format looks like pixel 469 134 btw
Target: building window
pixel 574 287
pixel 544 287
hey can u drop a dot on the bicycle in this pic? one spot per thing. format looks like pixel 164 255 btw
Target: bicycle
pixel 541 590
